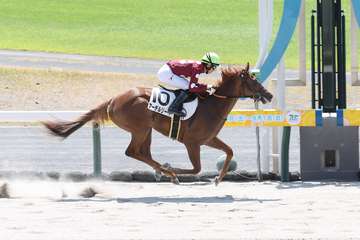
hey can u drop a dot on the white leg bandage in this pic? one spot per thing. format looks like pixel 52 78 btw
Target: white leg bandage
pixel 167 76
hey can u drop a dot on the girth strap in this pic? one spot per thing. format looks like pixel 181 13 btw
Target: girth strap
pixel 175 126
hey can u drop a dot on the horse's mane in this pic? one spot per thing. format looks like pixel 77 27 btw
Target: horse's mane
pixel 229 73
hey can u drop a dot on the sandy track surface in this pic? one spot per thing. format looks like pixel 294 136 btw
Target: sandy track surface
pixel 64 210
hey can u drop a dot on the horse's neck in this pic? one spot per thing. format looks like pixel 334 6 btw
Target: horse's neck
pixel 219 107
pixel 225 105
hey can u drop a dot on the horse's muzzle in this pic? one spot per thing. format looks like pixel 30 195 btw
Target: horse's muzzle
pixel 266 97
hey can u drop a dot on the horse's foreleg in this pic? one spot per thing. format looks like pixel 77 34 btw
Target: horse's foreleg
pixel 194 155
pixel 220 145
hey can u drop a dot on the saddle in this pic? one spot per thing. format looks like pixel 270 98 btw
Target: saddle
pixel 161 99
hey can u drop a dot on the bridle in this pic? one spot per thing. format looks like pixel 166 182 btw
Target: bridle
pixel 256 97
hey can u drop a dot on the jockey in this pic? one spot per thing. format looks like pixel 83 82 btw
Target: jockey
pixel 176 72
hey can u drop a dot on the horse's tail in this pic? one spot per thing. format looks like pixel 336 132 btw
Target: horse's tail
pixel 65 128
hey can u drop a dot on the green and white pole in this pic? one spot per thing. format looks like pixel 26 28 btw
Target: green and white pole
pixel 284 172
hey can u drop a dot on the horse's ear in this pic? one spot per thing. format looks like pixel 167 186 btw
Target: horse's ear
pixel 247 67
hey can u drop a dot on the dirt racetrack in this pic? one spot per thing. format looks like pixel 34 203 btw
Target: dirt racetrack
pixel 61 210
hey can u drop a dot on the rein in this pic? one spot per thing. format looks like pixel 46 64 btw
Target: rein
pixel 225 97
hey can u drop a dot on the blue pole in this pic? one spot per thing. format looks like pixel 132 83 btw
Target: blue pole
pixel 288 22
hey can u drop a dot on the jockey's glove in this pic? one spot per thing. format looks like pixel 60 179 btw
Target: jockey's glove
pixel 210 90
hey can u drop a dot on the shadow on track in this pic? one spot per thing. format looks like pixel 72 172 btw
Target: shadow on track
pixel 159 200
pixel 299 184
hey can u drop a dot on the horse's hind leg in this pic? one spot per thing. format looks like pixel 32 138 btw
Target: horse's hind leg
pixel 139 148
pixel 194 155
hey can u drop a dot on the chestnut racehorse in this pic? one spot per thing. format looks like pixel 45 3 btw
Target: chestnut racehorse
pixel 129 111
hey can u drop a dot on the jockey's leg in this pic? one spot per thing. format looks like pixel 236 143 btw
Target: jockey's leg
pixel 165 75
pixel 176 106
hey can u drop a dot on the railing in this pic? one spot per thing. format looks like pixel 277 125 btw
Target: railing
pixel 237 118
pixel 38 116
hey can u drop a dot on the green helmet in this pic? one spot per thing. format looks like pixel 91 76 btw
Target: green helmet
pixel 211 58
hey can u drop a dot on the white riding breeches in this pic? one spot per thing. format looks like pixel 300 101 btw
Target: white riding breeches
pixel 167 76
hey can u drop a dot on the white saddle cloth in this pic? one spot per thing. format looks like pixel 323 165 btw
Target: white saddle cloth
pixel 161 100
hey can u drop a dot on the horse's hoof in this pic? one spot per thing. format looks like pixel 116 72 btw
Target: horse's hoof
pixel 158 172
pixel 175 181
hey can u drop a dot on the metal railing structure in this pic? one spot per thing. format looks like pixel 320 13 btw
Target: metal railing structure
pixel 35 117
pixel 237 118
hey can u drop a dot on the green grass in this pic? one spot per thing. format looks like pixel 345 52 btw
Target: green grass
pixel 155 29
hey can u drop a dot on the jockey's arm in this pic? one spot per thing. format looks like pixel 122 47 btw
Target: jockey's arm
pixel 195 87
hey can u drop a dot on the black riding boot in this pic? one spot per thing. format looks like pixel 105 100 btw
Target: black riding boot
pixel 176 106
